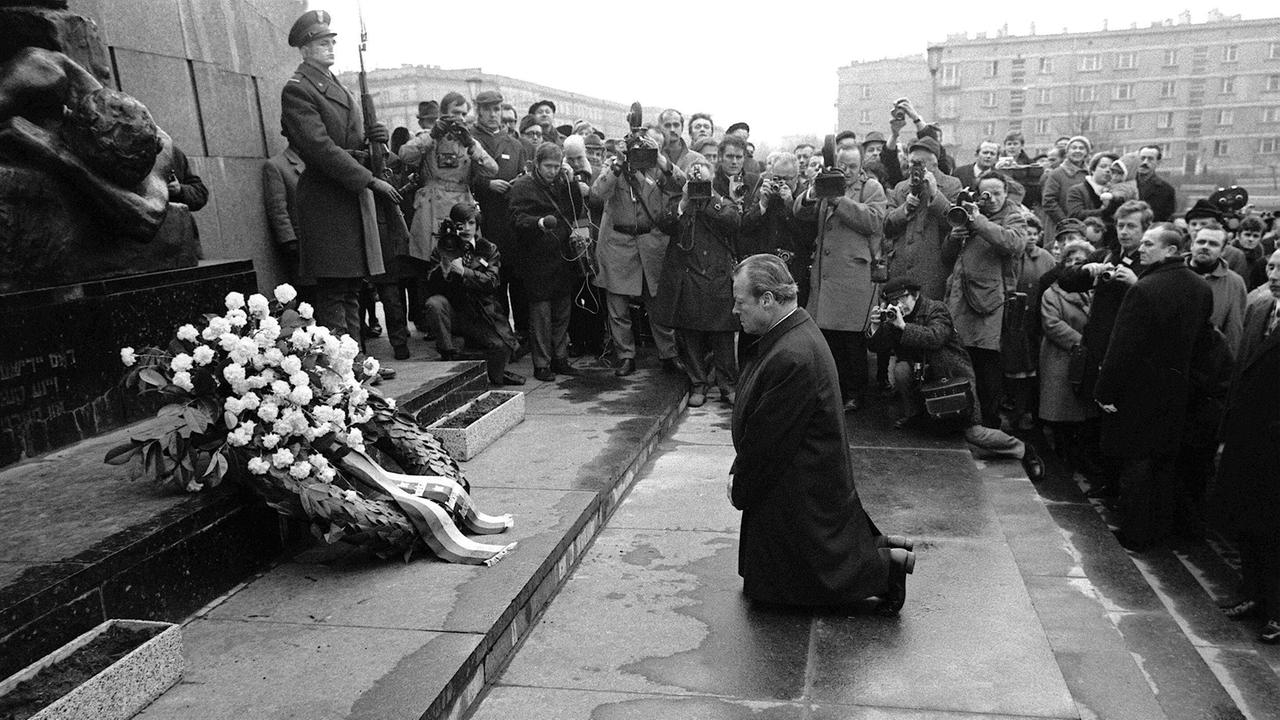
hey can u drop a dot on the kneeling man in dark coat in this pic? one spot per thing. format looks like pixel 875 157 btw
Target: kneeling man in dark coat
pixel 805 539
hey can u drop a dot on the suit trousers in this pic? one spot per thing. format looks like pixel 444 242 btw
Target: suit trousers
pixel 850 352
pixel 989 373
pixel 338 305
pixel 549 330
pixel 441 319
pixel 989 441
pixel 624 340
pixel 1148 497
pixel 695 346
pixel 393 315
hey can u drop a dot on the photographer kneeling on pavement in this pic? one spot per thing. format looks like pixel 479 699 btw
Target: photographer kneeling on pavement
pixel 462 289
pixel 920 334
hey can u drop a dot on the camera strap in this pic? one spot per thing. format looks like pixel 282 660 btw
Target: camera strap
pixel 638 198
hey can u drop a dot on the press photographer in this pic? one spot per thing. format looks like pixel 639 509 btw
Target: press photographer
pixel 775 229
pixel 986 238
pixel 847 266
pixel 932 372
pixel 550 212
pixel 463 286
pixel 696 297
pixel 635 189
pixel 916 224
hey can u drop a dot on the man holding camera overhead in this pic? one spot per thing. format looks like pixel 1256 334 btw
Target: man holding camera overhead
pixel 916 223
pixel 849 229
pixel 987 236
pixel 634 189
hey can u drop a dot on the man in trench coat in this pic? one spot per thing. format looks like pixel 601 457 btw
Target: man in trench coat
pixel 341 240
pixel 806 539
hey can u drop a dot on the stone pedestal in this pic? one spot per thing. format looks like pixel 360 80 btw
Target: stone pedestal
pixel 60 362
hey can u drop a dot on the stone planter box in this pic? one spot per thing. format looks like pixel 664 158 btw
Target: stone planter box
pixel 121 690
pixel 467 442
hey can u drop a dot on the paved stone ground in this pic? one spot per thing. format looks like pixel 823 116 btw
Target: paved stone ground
pixel 1020 606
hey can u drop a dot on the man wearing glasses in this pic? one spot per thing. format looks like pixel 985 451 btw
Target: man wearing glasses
pixel 530 133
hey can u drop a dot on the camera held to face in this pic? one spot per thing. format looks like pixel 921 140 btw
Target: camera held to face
pixel 830 180
pixel 917 178
pixel 961 213
pixel 640 155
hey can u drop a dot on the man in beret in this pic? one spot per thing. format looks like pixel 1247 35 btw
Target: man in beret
pixel 496 223
pixel 916 224
pixel 344 211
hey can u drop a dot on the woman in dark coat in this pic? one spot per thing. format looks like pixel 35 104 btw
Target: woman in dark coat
pixel 549 208
pixel 1246 501
pixel 696 295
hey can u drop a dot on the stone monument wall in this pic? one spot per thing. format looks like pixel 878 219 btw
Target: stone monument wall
pixel 210 72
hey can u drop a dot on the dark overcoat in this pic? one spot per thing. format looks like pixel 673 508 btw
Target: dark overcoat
pixel 1247 496
pixel 495 208
pixel 806 539
pixel 1146 372
pixel 850 232
pixel 1103 308
pixel 697 288
pixel 929 338
pixel 915 238
pixel 545 259
pixel 473 294
pixel 323 123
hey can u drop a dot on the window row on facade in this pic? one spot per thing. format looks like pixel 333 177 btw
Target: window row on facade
pixel 949 72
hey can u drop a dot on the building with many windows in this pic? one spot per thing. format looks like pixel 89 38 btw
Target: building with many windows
pixel 397 92
pixel 1207 93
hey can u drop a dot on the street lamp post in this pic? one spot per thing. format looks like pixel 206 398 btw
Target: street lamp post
pixel 933 56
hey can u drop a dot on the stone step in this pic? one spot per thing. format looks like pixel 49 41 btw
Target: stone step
pixel 82 541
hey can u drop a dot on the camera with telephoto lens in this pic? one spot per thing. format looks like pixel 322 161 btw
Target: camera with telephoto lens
pixel 889 312
pixel 958 213
pixel 917 178
pixel 640 156
pixel 1230 201
pixel 452 140
pixel 450 238
pixel 830 180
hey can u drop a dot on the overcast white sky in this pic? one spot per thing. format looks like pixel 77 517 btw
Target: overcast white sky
pixel 769 62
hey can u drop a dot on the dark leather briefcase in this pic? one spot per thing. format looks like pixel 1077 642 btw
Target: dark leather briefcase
pixel 947 399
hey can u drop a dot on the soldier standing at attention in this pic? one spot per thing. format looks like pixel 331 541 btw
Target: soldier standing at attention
pixel 339 235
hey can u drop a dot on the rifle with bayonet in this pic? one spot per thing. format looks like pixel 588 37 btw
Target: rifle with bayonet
pixel 377 151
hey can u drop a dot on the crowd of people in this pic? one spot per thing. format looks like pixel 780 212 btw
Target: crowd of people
pixel 1069 292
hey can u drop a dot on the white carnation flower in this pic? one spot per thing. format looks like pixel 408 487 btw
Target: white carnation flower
pixel 305 311
pixel 349 347
pixel 269 412
pixel 250 401
pixel 183 380
pixel 285 293
pixel 282 458
pixel 210 333
pixel 237 438
pixel 371 366
pixel 318 461
pixel 290 365
pixel 233 373
pixel 327 474
pixel 300 470
pixel 128 356
pixel 237 318
pixel 258 466
pixel 270 441
pixel 235 300
pixel 391 403
pixel 300 339
pixel 321 333
pixel 268 331
pixel 181 362
pixel 203 354
pixel 282 427
pixel 280 387
pixel 273 356
pixel 301 395
pixel 259 305
pixel 299 379
pixel 233 405
pixel 188 333
pixel 228 341
pixel 354 437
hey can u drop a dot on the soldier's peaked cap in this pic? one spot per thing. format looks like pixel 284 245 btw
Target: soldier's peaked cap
pixel 313 24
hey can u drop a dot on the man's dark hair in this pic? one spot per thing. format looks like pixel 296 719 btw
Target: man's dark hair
pixel 1159 152
pixel 548 151
pixel 1016 135
pixel 804 145
pixel 1169 235
pixel 450 99
pixel 703 116
pixel 846 135
pixel 1131 207
pixel 1060 139
pixel 766 273
pixel 993 175
pixel 733 141
pixel 984 142
pixel 1252 224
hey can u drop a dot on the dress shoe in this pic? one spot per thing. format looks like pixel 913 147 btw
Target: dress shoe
pixel 512 378
pixel 728 397
pixel 562 367
pixel 697 398
pixel 1270 633
pixel 896 541
pixel 545 374
pixel 1031 463
pixel 387 373
pixel 901 564
pixel 627 367
pixel 673 365
pixel 852 405
pixel 371 331
pixel 401 352
pixel 1241 610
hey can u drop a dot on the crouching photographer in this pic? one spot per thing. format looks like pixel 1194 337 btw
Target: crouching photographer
pixel 933 373
pixel 463 288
